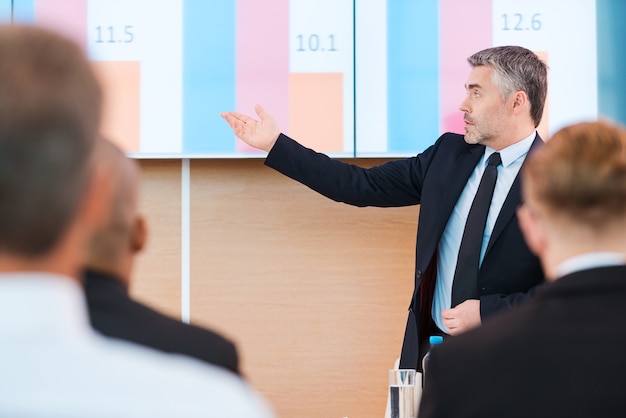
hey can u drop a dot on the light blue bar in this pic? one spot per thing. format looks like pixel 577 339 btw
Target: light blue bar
pixel 5 11
pixel 208 75
pixel 413 74
pixel 611 16
pixel 24 11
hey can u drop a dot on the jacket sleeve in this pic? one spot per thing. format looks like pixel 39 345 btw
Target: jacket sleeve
pixel 490 304
pixel 395 183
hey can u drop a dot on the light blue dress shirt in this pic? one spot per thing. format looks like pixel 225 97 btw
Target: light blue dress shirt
pixel 448 249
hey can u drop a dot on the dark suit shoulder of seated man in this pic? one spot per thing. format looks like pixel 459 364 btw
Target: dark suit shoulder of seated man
pixel 108 265
pixel 115 314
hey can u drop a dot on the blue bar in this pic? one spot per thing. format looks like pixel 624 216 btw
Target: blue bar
pixel 5 11
pixel 412 74
pixel 24 11
pixel 611 16
pixel 208 75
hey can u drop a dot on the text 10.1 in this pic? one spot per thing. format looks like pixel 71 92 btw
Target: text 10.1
pixel 315 43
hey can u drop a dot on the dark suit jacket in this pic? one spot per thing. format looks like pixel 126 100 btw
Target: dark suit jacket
pixel 113 313
pixel 434 179
pixel 561 354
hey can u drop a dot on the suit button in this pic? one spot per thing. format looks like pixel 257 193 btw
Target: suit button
pixel 418 274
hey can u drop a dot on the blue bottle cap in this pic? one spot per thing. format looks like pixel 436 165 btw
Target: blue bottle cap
pixel 435 339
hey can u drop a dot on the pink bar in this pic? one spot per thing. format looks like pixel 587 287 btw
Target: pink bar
pixel 465 28
pixel 262 59
pixel 66 16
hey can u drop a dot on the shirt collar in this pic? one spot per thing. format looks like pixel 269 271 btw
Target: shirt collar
pixel 589 261
pixel 513 152
pixel 41 305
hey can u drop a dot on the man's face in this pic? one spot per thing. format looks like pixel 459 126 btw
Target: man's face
pixel 486 114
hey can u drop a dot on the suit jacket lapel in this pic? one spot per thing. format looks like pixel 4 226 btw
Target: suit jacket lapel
pixel 451 185
pixel 463 169
pixel 513 200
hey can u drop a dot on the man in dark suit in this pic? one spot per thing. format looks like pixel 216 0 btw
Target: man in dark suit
pixel 506 92
pixel 562 353
pixel 110 259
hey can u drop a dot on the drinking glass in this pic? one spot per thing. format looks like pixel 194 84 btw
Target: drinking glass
pixel 402 393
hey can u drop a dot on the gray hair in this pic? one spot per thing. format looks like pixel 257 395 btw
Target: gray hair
pixel 517 69
pixel 50 107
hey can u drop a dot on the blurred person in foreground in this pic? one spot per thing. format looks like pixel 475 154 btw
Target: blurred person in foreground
pixel 54 195
pixel 107 278
pixel 562 353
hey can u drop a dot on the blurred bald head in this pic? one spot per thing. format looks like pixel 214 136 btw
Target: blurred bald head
pixel 113 247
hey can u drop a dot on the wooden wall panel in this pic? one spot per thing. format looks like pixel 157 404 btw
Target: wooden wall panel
pixel 314 292
pixel 156 279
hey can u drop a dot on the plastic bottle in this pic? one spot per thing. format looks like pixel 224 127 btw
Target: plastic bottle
pixel 433 340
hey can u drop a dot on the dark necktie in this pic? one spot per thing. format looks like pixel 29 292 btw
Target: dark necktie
pixel 465 284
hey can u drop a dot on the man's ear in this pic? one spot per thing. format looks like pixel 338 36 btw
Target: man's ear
pixel 533 231
pixel 139 234
pixel 520 101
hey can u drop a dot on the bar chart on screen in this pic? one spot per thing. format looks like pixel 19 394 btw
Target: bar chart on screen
pixel 350 78
pixel 135 48
pixel 412 66
pixel 565 38
pixel 169 68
